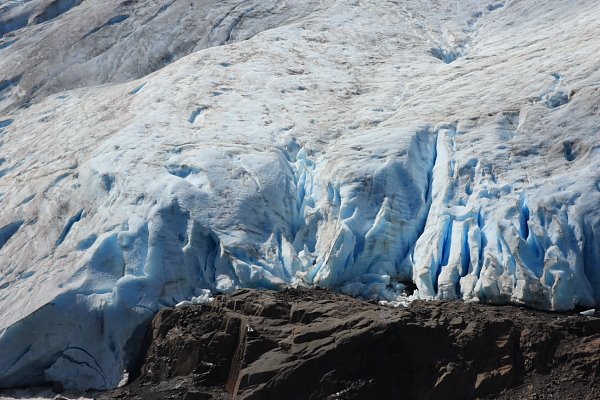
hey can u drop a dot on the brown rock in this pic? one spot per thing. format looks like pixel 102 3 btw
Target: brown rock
pixel 298 344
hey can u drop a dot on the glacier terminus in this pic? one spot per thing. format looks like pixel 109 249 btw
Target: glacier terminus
pixel 157 152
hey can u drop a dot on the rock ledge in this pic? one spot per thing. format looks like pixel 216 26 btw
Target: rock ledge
pixel 299 344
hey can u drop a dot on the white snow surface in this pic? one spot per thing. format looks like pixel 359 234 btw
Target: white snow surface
pixel 353 145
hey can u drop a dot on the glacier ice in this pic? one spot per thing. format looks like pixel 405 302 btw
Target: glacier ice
pixel 297 143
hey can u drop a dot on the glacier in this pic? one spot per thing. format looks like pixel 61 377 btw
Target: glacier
pixel 155 153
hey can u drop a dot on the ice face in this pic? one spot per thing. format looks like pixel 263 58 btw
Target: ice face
pixel 332 148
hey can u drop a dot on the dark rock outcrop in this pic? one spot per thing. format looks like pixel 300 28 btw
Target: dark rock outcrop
pixel 298 344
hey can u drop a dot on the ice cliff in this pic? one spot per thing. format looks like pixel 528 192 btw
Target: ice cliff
pixel 151 150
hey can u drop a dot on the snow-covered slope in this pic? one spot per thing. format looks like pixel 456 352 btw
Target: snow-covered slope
pixel 346 144
pixel 48 46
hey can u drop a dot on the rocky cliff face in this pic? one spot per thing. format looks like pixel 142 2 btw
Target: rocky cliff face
pixel 298 344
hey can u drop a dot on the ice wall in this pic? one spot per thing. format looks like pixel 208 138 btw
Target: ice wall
pixel 294 223
pixel 500 241
pixel 349 145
